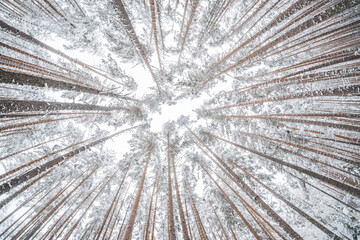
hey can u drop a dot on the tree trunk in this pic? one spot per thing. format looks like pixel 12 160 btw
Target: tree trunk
pixel 130 225
pixel 194 6
pixel 232 204
pixel 34 146
pixel 180 207
pixel 198 221
pixel 298 210
pixel 321 17
pixel 47 47
pixel 322 191
pixel 30 80
pixel 11 106
pixel 68 234
pixel 287 228
pixel 59 204
pixel 118 4
pixel 6 187
pixel 326 154
pixel 219 221
pixel 309 122
pixel 118 213
pixel 341 91
pixel 170 200
pixel 153 22
pixel 14 195
pixel 154 216
pixel 183 19
pixel 109 209
pixel 352 190
pixel 187 215
pixel 146 237
pixel 44 207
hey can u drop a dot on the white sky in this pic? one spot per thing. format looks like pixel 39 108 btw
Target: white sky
pixel 184 107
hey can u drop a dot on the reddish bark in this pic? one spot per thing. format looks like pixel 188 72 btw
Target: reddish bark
pixel 352 190
pixel 171 221
pixel 130 225
pixel 252 194
pixel 5 187
pixel 118 4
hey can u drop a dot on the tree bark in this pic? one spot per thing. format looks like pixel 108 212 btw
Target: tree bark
pixel 14 195
pixel 29 38
pixel 181 210
pixel 109 209
pixel 341 91
pixel 170 200
pixel 298 210
pixel 118 4
pixel 130 225
pixel 219 221
pixel 198 221
pixel 352 190
pixel 153 22
pixel 11 106
pixel 232 204
pixel 195 4
pixel 59 204
pixel 6 187
pixel 146 237
pixel 253 195
pixel 31 80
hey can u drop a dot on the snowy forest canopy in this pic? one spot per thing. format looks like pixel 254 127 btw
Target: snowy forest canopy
pixel 187 119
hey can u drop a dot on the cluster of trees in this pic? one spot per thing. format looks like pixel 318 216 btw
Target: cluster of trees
pixel 273 154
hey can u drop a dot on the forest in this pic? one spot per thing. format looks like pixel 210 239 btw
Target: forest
pixel 179 119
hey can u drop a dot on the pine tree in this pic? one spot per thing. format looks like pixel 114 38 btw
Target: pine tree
pixel 179 119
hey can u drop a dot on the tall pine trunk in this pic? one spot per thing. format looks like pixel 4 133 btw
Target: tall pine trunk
pixel 170 200
pixel 130 225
